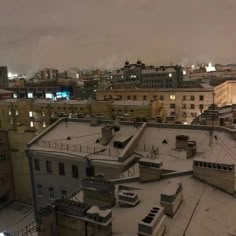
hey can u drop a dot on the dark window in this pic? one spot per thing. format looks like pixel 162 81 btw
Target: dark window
pixel 63 193
pixel 192 106
pixel 184 98
pixel 201 106
pixel 201 97
pixel 161 97
pixel 3 156
pixel 39 190
pixel 61 169
pixel 49 166
pixel 36 164
pixel 51 193
pixel 192 98
pixel 75 172
pixel 128 97
pixel 172 105
pixel 134 97
pixel 144 97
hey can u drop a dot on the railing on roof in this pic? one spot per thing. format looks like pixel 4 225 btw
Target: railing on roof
pixel 106 151
pixel 146 147
pixel 28 230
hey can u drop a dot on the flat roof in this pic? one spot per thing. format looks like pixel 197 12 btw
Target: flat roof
pixel 214 215
pixel 79 138
pixel 15 216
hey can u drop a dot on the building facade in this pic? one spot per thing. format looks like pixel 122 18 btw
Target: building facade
pixel 149 76
pixel 7 192
pixel 3 77
pixel 176 104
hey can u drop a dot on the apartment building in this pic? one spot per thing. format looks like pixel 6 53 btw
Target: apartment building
pixel 177 104
pixel 148 76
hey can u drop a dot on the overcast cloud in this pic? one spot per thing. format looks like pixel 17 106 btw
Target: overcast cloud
pixel 104 33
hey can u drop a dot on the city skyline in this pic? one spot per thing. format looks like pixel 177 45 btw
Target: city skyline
pixel 66 34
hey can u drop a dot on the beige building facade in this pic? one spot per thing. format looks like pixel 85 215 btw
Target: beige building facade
pixel 180 104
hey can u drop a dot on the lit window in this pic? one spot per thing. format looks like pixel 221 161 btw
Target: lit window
pixel 31 124
pixel 43 113
pixel 30 95
pixel 17 113
pixel 30 113
pixel 49 95
pixel 170 75
pixel 14 95
pixel 172 97
pixel 9 113
pixel 44 124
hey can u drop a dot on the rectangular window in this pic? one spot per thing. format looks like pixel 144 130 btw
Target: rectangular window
pixel 172 106
pixel 3 157
pixel 30 114
pixel 154 97
pixel 201 106
pixel 39 190
pixel 75 172
pixel 162 97
pixel 144 97
pixel 192 106
pixel 36 164
pixel 184 106
pixel 192 98
pixel 128 97
pixel 172 97
pixel 63 193
pixel 201 97
pixel 184 97
pixel 51 194
pixel 49 166
pixel 61 169
pixel 134 97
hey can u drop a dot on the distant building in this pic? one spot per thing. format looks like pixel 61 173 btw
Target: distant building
pixel 3 77
pixel 48 73
pixel 148 76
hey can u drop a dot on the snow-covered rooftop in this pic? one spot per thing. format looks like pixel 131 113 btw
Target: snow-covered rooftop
pixel 214 214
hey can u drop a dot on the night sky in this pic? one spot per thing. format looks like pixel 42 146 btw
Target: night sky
pixel 104 33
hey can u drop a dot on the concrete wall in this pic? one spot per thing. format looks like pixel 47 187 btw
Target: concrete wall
pixel 149 174
pixel 70 226
pixel 20 165
pixel 224 180
pixel 98 230
pixel 48 227
pixel 6 178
